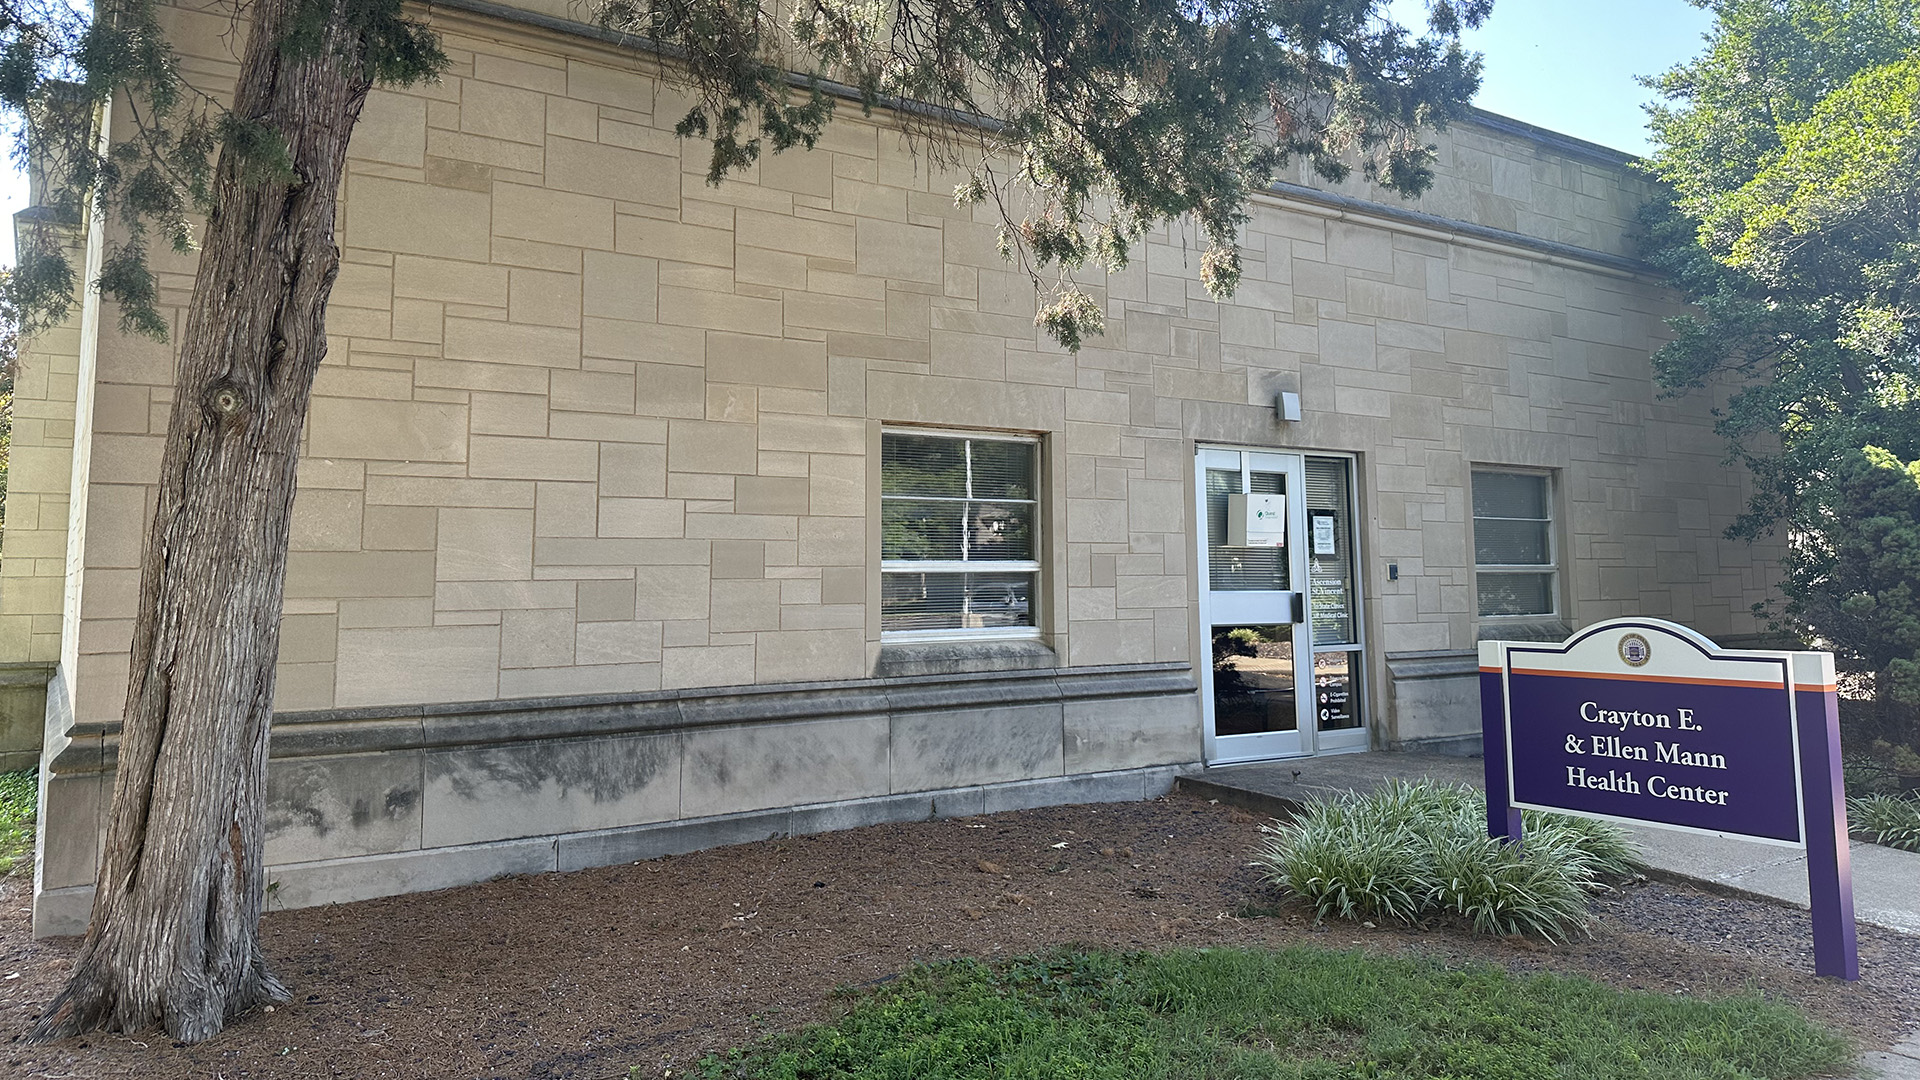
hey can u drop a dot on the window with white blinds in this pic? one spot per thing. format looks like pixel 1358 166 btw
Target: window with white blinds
pixel 1231 568
pixel 959 534
pixel 1513 550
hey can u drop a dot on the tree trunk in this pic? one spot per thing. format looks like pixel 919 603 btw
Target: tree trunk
pixel 174 936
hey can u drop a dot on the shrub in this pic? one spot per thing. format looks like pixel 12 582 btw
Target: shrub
pixel 17 795
pixel 1502 890
pixel 1247 636
pixel 1410 850
pixel 1890 819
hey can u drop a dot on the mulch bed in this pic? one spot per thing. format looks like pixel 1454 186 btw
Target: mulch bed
pixel 658 963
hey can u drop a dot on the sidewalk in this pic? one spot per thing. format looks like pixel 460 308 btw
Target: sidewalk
pixel 1886 882
pixel 1900 1063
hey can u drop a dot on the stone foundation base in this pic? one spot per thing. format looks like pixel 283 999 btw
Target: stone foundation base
pixel 379 801
pixel 339 881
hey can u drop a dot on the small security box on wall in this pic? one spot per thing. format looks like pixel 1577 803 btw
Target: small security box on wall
pixel 1257 520
pixel 1286 406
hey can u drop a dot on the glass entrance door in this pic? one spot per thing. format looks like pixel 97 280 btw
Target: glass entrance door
pixel 1278 605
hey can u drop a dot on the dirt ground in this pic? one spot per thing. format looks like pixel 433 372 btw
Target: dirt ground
pixel 658 963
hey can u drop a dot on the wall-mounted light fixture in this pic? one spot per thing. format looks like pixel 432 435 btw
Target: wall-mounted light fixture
pixel 1287 406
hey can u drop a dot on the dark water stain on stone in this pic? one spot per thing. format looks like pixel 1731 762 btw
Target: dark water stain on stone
pixel 606 770
pixel 299 801
pixel 321 800
pixel 394 805
pixel 713 764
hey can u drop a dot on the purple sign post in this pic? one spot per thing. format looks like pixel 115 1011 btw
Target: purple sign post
pixel 1645 721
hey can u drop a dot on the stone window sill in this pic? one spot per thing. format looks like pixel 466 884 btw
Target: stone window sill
pixel 962 657
pixel 1524 629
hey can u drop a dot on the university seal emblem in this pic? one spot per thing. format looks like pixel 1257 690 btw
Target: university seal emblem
pixel 1635 650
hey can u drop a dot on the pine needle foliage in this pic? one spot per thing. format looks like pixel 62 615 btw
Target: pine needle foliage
pixel 1409 851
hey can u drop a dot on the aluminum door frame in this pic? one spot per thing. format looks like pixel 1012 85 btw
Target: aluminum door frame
pixel 1256 607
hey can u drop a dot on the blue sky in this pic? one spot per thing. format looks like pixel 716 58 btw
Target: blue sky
pixel 1568 65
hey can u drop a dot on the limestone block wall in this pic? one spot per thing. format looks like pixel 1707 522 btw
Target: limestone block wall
pixel 593 431
pixel 1505 174
pixel 33 551
pixel 589 424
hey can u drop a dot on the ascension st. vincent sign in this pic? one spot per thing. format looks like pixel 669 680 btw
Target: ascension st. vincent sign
pixel 1645 721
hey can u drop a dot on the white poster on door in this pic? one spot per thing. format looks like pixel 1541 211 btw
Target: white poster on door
pixel 1257 520
pixel 1323 534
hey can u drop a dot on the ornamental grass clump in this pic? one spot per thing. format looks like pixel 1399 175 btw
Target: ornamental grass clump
pixel 1892 820
pixel 1412 850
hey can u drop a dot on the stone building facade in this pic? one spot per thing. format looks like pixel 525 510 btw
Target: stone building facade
pixel 611 539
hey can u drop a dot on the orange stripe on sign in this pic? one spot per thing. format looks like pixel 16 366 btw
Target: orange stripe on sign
pixel 1815 688
pixel 1764 684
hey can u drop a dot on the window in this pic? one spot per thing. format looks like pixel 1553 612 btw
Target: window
pixel 959 535
pixel 1513 543
pixel 1330 585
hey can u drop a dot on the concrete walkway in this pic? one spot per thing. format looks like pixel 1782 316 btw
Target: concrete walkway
pixel 1886 882
pixel 1900 1063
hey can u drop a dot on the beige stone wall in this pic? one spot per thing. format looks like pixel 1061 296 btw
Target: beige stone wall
pixel 1489 176
pixel 591 425
pixel 33 552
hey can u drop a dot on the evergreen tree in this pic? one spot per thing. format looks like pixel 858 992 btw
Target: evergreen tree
pixel 1087 121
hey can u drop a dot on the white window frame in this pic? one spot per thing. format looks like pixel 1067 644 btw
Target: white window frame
pixel 1551 567
pixel 960 566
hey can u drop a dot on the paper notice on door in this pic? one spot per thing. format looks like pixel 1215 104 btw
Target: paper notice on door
pixel 1323 534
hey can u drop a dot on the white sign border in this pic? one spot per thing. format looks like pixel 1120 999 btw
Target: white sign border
pixel 1713 652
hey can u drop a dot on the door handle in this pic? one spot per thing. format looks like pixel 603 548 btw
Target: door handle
pixel 1296 607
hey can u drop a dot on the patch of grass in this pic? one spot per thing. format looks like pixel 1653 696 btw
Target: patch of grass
pixel 1296 1014
pixel 18 791
pixel 1892 820
pixel 1410 850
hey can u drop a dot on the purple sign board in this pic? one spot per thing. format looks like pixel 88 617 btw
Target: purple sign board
pixel 1645 721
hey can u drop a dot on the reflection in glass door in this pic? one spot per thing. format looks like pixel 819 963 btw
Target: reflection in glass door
pixel 1278 605
pixel 1253 680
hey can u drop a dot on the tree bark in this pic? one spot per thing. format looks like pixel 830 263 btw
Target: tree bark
pixel 174 935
